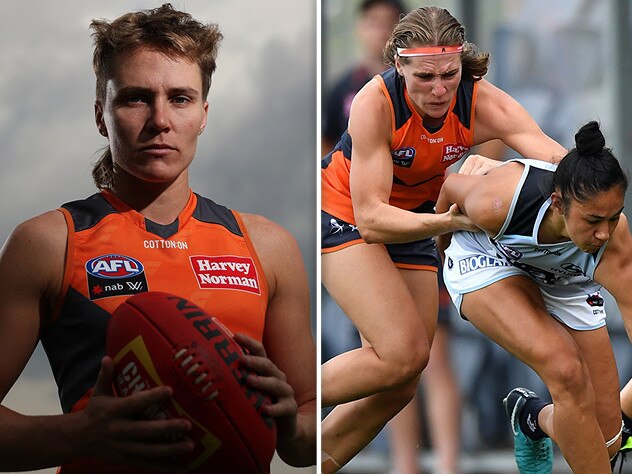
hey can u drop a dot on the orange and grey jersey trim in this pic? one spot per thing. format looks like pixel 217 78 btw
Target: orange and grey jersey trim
pixel 113 252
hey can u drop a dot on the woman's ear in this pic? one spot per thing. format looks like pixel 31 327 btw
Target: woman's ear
pixel 556 202
pixel 98 118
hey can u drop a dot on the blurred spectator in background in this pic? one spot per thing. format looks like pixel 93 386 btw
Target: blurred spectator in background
pixel 376 20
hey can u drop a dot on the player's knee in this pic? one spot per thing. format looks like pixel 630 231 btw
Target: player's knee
pixel 406 367
pixel 568 378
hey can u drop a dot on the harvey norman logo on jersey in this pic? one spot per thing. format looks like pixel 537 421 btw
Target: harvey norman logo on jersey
pixel 453 152
pixel 226 272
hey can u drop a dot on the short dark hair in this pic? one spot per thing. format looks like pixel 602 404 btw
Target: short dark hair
pixel 366 5
pixel 165 29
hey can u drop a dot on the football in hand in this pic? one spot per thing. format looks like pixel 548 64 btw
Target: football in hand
pixel 158 339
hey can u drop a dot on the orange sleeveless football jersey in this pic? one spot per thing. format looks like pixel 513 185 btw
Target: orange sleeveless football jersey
pixel 420 155
pixel 113 252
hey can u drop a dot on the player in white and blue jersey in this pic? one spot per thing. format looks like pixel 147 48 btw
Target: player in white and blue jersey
pixel 551 237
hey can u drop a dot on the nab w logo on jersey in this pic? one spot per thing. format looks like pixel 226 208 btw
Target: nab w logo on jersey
pixel 403 157
pixel 115 275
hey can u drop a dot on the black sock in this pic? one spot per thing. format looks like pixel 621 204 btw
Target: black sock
pixel 528 419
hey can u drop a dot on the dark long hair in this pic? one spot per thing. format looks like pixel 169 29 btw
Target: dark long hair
pixel 588 169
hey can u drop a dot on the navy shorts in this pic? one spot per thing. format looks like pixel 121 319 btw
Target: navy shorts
pixel 337 234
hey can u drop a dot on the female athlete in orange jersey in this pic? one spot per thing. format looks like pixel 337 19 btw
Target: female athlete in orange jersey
pixel 154 71
pixel 379 186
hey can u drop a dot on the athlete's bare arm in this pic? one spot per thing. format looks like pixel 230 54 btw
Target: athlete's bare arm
pixel 485 199
pixel 31 272
pixel 371 178
pixel 500 116
pixel 614 271
pixel 286 362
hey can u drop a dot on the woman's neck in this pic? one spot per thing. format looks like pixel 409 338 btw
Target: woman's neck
pixel 159 202
pixel 553 227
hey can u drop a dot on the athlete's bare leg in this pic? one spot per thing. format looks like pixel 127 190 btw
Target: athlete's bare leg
pixel 350 427
pixel 596 351
pixel 626 399
pixel 521 324
pixel 405 428
pixel 404 435
pixel 372 292
pixel 387 317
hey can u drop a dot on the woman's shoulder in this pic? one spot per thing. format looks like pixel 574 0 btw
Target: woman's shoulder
pixel 35 252
pixel 276 248
pixel 372 94
pixel 48 229
pixel 271 240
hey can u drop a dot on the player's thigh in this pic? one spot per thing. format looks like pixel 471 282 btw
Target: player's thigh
pixel 423 287
pixel 368 287
pixel 512 313
pixel 596 351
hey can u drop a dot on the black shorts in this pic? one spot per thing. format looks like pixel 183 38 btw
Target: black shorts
pixel 337 234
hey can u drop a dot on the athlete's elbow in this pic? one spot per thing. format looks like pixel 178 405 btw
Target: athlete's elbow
pixel 367 227
pixel 370 236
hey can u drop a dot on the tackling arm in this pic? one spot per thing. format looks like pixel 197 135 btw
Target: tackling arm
pixel 500 116
pixel 614 271
pixel 484 199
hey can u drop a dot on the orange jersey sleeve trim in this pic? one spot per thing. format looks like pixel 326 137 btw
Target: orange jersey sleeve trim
pixel 253 253
pixel 68 267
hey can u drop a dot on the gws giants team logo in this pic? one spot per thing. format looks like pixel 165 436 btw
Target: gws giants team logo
pixel 403 157
pixel 453 152
pixel 115 275
pixel 226 272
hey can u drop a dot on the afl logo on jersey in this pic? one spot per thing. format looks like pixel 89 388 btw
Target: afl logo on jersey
pixel 115 275
pixel 510 253
pixel 403 157
pixel 114 266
